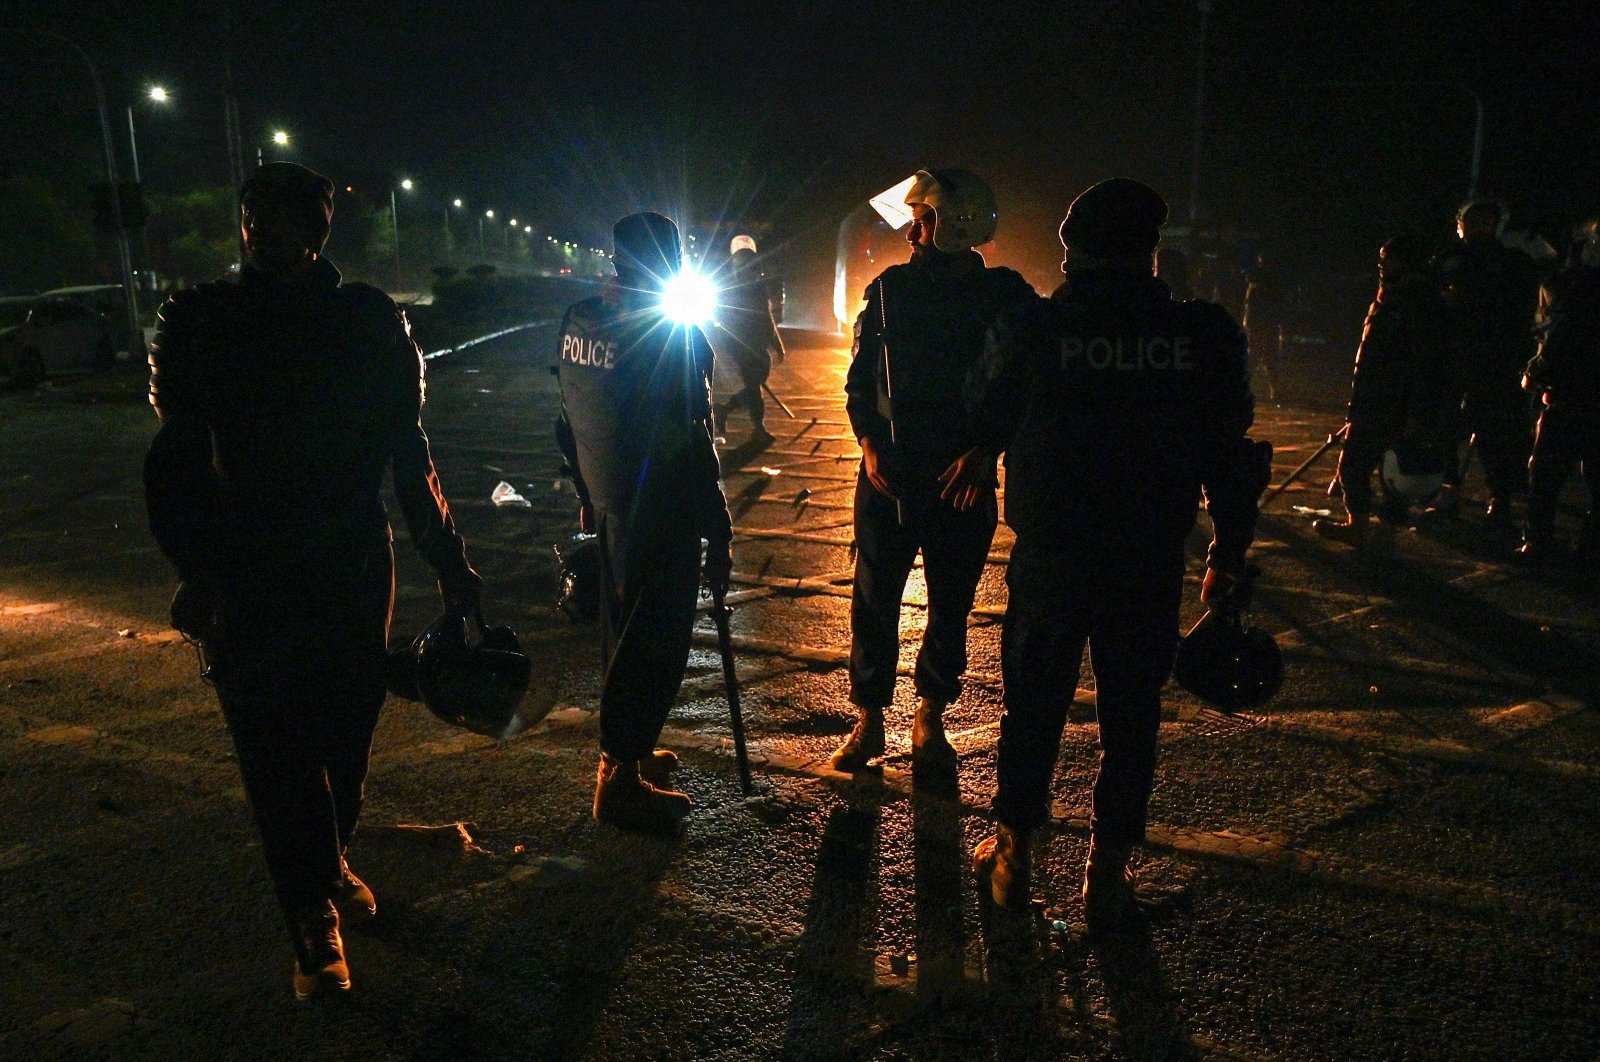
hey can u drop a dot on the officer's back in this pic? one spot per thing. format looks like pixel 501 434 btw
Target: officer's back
pixel 1134 392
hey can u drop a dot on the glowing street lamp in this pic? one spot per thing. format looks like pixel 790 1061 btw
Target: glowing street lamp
pixel 156 94
pixel 280 138
pixel 394 209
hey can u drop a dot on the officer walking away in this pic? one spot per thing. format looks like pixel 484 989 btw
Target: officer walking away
pixel 1566 374
pixel 1265 306
pixel 748 338
pixel 635 427
pixel 1492 291
pixel 1401 398
pixel 1116 407
pixel 284 396
pixel 923 484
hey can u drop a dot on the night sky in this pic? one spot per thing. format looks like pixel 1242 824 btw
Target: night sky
pixel 570 114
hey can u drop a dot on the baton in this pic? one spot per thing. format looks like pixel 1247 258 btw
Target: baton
pixel 719 616
pixel 1336 437
pixel 773 395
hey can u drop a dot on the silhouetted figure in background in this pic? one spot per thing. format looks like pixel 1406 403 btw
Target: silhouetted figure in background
pixel 1402 394
pixel 1266 304
pixel 749 339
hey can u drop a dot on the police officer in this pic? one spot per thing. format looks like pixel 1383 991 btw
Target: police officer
pixel 923 483
pixel 635 426
pixel 1566 374
pixel 1492 291
pixel 1116 407
pixel 749 339
pixel 1401 395
pixel 284 396
pixel 1265 305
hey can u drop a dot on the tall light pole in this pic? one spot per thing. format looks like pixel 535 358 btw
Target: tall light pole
pixel 482 250
pixel 394 210
pixel 157 94
pixel 125 260
pixel 1204 7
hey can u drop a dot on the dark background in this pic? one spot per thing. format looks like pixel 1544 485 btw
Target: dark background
pixel 788 114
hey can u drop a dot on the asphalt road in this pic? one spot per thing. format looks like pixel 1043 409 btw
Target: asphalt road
pixel 1397 861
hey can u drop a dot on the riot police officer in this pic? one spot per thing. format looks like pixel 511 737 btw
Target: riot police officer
pixel 284 396
pixel 1492 291
pixel 1265 307
pixel 923 483
pixel 1116 407
pixel 748 339
pixel 1401 396
pixel 635 426
pixel 1566 374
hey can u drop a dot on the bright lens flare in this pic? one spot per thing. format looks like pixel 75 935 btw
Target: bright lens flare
pixel 689 298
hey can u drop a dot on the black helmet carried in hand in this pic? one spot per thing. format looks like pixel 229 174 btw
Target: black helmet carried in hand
pixel 478 687
pixel 1228 665
pixel 580 578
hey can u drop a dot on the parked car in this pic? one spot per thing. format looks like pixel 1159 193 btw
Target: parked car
pixel 107 300
pixel 55 336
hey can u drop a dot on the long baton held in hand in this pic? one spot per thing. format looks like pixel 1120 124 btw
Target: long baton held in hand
pixel 719 616
pixel 1337 437
pixel 781 405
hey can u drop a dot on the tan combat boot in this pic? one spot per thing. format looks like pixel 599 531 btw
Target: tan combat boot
pixel 353 892
pixel 1003 860
pixel 1109 899
pixel 622 799
pixel 319 952
pixel 928 740
pixel 866 742
pixel 657 767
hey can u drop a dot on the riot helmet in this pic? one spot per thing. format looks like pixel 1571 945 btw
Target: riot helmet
pixel 1411 473
pixel 477 687
pixel 964 203
pixel 1224 662
pixel 579 580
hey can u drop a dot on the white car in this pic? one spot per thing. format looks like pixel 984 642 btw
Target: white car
pixel 56 335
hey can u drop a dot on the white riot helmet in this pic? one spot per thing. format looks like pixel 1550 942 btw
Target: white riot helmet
pixel 1410 477
pixel 742 243
pixel 964 203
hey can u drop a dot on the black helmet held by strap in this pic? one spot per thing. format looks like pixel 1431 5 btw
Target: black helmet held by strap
pixel 580 577
pixel 477 687
pixel 1228 665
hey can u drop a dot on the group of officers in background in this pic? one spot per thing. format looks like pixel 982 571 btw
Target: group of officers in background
pixel 1476 348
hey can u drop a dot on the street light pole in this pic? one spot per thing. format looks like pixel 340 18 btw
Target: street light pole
pixel 133 145
pixel 1204 7
pixel 130 301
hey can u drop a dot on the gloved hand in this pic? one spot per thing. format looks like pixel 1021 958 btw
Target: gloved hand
pixel 195 612
pixel 461 592
pixel 719 566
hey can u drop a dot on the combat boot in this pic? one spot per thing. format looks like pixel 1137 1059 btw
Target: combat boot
pixel 623 800
pixel 1003 859
pixel 928 739
pixel 657 768
pixel 353 892
pixel 1446 505
pixel 866 742
pixel 319 952
pixel 1352 531
pixel 1109 899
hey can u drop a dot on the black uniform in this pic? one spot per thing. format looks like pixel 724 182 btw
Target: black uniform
pixel 635 427
pixel 1492 292
pixel 1265 307
pixel 931 321
pixel 282 407
pixel 748 339
pixel 1567 373
pixel 1116 407
pixel 1402 394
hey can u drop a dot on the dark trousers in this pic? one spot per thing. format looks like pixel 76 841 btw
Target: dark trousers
pixel 1363 452
pixel 652 586
pixel 1132 634
pixel 753 372
pixel 300 680
pixel 1568 435
pixel 1496 417
pixel 955 548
